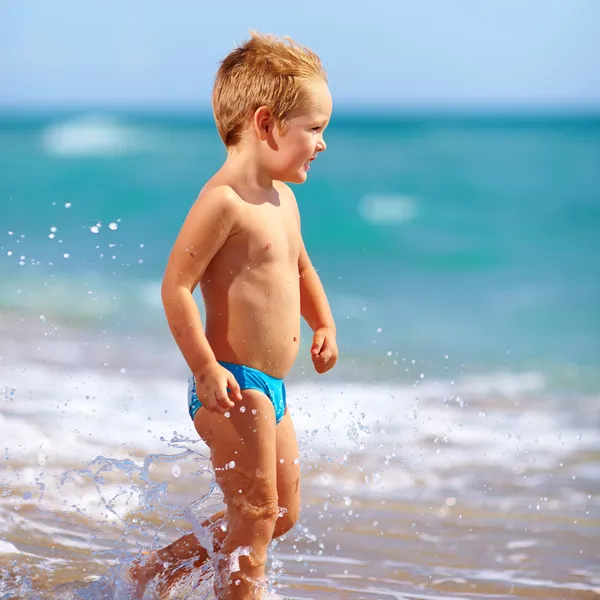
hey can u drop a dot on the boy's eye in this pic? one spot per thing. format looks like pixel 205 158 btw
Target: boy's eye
pixel 316 128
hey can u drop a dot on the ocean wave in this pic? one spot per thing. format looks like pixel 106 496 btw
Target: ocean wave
pixel 388 209
pixel 93 135
pixel 495 419
pixel 93 450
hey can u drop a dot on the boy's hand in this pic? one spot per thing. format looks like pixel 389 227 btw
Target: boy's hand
pixel 212 382
pixel 324 350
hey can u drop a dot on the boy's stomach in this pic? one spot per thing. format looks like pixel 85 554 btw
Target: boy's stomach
pixel 255 325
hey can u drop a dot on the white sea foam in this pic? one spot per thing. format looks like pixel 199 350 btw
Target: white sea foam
pixel 93 135
pixel 8 548
pixel 420 433
pixel 388 209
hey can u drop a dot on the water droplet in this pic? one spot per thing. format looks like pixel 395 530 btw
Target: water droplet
pixel 230 465
pixel 176 471
pixel 123 370
pixel 68 205
pixel 254 411
pixel 242 409
pixel 66 255
pixel 94 229
pixel 9 253
pixel 113 226
pixel 379 330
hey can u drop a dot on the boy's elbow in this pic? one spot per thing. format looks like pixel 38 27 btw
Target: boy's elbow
pixel 171 290
pixel 165 290
pixel 168 291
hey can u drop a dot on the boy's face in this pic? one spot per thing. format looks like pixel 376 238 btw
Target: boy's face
pixel 302 140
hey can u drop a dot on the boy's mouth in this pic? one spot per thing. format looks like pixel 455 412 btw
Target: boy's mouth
pixel 307 163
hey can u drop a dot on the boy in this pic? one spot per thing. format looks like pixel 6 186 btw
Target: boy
pixel 241 243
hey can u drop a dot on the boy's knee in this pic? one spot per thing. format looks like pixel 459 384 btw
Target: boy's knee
pixel 252 522
pixel 251 497
pixel 257 510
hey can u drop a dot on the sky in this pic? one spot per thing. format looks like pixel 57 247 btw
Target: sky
pixel 406 53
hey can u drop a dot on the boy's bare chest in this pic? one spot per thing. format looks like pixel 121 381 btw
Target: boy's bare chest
pixel 267 236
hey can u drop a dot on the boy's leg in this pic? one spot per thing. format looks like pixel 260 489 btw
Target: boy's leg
pixel 288 476
pixel 243 454
pixel 188 547
pixel 167 562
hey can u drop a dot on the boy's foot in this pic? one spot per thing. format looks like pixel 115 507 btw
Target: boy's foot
pixel 137 576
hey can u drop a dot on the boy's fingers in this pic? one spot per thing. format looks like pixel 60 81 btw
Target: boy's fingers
pixel 223 399
pixel 323 356
pixel 326 355
pixel 234 387
pixel 212 405
pixel 318 340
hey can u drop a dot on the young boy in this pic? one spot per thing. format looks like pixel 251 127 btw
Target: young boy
pixel 241 243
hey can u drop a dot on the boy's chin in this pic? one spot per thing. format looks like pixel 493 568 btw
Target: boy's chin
pixel 299 177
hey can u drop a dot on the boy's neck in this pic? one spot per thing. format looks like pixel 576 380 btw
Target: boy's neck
pixel 242 165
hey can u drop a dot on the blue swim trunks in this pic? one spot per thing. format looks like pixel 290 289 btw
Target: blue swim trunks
pixel 248 379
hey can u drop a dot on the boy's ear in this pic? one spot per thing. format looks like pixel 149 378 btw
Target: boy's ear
pixel 263 122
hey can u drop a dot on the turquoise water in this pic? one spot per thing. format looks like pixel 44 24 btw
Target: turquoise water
pixel 476 238
pixel 455 449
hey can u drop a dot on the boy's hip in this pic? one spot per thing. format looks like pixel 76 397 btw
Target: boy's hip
pixel 247 378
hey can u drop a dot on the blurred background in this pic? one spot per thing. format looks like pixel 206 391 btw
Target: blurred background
pixel 456 211
pixel 454 220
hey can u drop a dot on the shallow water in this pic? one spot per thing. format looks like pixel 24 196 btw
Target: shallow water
pixel 454 451
pixel 482 487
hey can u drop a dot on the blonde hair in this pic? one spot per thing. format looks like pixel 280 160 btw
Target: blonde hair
pixel 264 71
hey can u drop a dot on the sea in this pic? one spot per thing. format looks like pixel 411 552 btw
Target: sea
pixel 454 451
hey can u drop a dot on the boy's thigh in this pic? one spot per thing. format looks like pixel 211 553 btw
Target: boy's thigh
pixel 288 466
pixel 243 448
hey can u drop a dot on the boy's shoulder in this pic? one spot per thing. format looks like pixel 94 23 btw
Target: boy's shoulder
pixel 217 196
pixel 286 192
pixel 221 197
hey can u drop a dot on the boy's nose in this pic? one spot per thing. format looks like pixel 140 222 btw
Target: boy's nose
pixel 321 145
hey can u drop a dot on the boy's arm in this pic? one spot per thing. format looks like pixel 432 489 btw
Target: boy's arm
pixel 207 226
pixel 313 300
pixel 317 313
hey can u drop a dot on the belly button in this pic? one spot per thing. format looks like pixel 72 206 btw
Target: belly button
pixel 295 339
